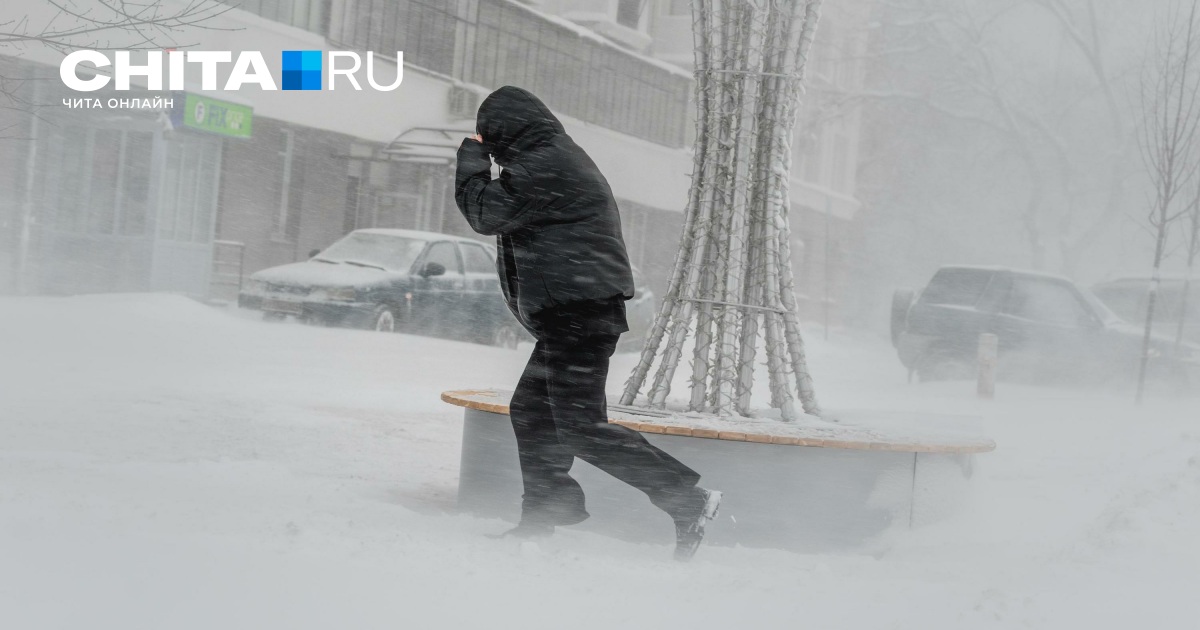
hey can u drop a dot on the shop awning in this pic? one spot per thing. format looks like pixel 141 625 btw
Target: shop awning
pixel 431 143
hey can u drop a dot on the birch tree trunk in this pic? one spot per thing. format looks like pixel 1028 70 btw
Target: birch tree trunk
pixel 1193 251
pixel 1169 137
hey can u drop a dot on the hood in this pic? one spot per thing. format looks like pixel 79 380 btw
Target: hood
pixel 511 120
pixel 318 274
pixel 1133 334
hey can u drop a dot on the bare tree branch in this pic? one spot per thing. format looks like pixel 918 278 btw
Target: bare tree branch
pixel 1170 93
pixel 102 25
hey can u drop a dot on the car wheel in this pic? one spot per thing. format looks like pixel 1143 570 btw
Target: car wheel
pixel 272 316
pixel 384 320
pixel 506 336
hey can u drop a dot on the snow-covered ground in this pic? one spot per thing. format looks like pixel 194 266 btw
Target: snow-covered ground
pixel 167 465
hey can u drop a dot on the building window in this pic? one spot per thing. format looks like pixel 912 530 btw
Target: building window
pixel 399 210
pixel 497 42
pixel 823 52
pixel 100 183
pixel 310 15
pixel 629 13
pixel 679 7
pixel 494 42
pixel 188 201
pixel 841 166
pixel 425 30
pixel 133 193
pixel 812 158
pixel 587 80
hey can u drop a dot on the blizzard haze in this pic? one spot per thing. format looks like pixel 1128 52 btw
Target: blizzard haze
pixel 171 466
pixel 184 446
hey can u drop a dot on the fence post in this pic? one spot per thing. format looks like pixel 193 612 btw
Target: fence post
pixel 989 346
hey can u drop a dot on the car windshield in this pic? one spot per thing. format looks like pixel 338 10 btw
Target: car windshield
pixel 1105 314
pixel 395 253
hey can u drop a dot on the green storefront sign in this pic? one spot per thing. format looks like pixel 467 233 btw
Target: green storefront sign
pixel 211 115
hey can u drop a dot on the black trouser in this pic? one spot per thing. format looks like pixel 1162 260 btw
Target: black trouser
pixel 559 412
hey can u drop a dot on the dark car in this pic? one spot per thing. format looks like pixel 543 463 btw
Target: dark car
pixel 392 280
pixel 1178 303
pixel 1049 330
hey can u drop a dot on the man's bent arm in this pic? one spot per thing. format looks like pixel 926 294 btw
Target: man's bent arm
pixel 491 206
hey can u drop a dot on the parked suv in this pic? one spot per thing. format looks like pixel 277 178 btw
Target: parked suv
pixel 1049 330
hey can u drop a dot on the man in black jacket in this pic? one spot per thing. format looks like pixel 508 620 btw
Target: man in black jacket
pixel 565 274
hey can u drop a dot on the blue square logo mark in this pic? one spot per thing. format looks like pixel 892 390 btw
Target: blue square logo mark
pixel 301 69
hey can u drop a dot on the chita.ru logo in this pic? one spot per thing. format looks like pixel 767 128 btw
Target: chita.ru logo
pixel 300 70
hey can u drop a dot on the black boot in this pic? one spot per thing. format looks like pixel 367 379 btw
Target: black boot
pixel 689 530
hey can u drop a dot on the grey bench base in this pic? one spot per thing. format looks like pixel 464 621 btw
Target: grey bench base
pixel 801 498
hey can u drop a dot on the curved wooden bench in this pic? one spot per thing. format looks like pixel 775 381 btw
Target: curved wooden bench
pixel 805 486
pixel 763 431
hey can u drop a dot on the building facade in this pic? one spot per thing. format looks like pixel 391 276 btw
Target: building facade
pixel 130 199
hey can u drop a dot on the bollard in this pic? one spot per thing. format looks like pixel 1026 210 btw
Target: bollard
pixel 989 346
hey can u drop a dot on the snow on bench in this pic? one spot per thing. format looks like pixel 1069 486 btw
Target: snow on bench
pixel 860 430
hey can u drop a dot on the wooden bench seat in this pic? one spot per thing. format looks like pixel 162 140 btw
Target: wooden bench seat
pixel 759 431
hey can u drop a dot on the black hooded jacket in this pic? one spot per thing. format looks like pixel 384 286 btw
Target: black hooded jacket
pixel 557 225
